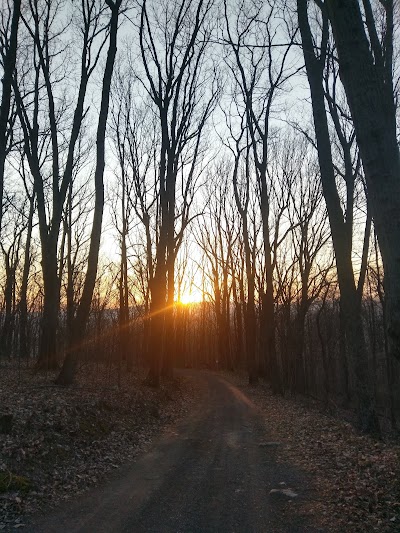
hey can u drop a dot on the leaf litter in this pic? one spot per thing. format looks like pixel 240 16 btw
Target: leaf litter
pixel 356 477
pixel 65 440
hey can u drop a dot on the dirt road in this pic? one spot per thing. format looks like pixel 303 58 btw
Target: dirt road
pixel 213 472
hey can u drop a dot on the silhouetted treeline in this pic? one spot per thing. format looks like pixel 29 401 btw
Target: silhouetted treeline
pixel 240 155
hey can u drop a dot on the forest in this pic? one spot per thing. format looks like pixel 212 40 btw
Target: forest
pixel 194 191
pixel 210 184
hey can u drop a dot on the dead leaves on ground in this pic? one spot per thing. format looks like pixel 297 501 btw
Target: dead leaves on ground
pixel 356 477
pixel 64 440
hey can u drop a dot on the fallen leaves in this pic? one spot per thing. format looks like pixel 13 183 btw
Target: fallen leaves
pixel 64 440
pixel 356 477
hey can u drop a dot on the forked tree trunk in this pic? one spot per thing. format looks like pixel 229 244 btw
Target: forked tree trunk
pixel 350 305
pixel 366 73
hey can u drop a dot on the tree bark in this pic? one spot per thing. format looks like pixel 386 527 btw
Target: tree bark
pixel 350 305
pixel 9 67
pixel 68 369
pixel 366 74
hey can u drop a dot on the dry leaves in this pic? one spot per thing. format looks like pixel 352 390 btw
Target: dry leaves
pixel 64 440
pixel 356 477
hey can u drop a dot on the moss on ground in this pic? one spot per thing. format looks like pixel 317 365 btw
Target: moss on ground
pixel 10 481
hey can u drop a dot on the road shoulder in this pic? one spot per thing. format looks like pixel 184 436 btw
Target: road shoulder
pixel 356 477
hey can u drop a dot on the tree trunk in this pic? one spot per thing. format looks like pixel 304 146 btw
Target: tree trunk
pixel 9 289
pixel 156 334
pixel 23 305
pixel 267 325
pixel 51 305
pixel 366 73
pixel 170 324
pixel 250 317
pixel 9 67
pixel 238 324
pixel 68 369
pixel 349 300
pixel 299 326
pixel 70 266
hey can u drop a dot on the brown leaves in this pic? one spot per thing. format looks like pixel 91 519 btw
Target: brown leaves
pixel 356 477
pixel 64 440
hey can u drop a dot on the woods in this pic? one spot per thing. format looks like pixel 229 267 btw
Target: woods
pixel 209 184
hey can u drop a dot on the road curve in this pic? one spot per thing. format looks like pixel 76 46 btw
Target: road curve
pixel 210 473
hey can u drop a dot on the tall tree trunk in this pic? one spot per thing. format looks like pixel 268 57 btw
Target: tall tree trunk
pixel 324 355
pixel 169 348
pixel 170 324
pixel 250 313
pixel 23 302
pixel 267 324
pixel 9 67
pixel 157 319
pixel 125 352
pixel 238 323
pixel 68 369
pixel 219 314
pixel 342 373
pixel 226 320
pixel 366 73
pixel 7 329
pixel 350 305
pixel 158 289
pixel 51 305
pixel 250 317
pixel 123 315
pixel 299 333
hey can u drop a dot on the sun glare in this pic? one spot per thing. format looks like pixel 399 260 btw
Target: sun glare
pixel 192 297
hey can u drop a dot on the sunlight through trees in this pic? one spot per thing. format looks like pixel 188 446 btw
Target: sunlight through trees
pixel 209 183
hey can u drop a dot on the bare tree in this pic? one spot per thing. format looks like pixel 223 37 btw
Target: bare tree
pixel 241 179
pixel 11 249
pixel 366 71
pixel 45 146
pixel 255 65
pixel 216 236
pixel 8 50
pixel 68 369
pixel 173 55
pixel 135 139
pixel 310 235
pixel 341 236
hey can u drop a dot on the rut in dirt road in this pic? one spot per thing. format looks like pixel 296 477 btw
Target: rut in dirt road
pixel 211 473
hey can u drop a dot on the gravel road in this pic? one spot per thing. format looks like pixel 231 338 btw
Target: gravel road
pixel 212 472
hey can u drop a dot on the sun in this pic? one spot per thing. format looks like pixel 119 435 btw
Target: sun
pixel 194 296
